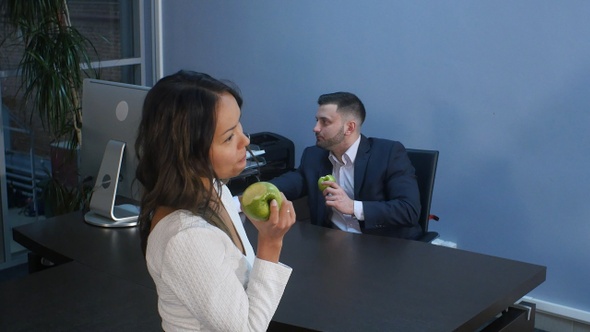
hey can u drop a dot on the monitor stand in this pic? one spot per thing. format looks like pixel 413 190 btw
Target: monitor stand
pixel 103 211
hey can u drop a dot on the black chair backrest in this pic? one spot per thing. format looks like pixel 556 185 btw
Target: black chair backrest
pixel 424 162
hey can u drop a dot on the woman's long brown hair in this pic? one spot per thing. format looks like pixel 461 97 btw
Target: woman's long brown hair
pixel 172 147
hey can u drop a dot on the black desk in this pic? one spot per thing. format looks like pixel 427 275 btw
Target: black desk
pixel 74 297
pixel 340 282
pixel 353 282
pixel 115 251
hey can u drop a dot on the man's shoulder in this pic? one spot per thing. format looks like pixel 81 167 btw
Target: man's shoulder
pixel 315 150
pixel 383 143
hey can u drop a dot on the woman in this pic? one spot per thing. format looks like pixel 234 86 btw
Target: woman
pixel 207 277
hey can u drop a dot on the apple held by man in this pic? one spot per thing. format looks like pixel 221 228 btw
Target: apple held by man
pixel 322 179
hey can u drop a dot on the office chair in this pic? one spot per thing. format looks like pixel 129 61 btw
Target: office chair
pixel 425 162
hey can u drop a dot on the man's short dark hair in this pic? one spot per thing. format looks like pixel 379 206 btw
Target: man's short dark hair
pixel 346 103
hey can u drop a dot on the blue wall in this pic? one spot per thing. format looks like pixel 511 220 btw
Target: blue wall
pixel 501 88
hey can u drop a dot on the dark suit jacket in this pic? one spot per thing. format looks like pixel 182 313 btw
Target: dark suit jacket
pixel 384 181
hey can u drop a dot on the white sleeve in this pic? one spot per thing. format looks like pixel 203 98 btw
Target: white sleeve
pixel 198 269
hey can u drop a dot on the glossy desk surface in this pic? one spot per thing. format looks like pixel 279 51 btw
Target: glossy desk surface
pixel 340 281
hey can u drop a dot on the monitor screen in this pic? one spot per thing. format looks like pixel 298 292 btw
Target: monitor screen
pixel 111 111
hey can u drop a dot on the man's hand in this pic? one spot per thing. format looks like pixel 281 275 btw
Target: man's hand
pixel 337 198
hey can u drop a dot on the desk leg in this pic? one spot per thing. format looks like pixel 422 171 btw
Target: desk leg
pixel 37 263
pixel 517 318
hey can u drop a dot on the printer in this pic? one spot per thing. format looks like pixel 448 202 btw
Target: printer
pixel 279 154
pixel 278 158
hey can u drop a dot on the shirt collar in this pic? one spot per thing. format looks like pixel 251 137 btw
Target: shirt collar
pixel 349 156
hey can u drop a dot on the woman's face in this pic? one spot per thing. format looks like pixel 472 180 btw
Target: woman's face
pixel 228 150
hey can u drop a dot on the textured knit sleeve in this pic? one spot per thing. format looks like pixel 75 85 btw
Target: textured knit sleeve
pixel 199 268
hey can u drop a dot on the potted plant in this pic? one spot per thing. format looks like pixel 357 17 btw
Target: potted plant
pixel 55 60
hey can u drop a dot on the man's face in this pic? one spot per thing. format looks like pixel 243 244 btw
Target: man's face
pixel 329 127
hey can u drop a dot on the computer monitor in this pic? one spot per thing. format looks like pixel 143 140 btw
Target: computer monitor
pixel 111 111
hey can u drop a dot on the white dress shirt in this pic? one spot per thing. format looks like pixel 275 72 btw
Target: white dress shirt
pixel 344 174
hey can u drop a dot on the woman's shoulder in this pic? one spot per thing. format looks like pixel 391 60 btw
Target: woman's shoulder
pixel 183 238
pixel 182 228
pixel 181 221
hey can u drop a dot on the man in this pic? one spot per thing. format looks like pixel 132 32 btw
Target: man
pixel 375 191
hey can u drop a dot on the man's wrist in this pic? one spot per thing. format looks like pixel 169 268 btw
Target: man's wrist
pixel 359 213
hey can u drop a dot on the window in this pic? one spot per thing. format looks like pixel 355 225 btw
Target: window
pixel 116 29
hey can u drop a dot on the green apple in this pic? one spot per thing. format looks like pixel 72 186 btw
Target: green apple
pixel 328 177
pixel 257 197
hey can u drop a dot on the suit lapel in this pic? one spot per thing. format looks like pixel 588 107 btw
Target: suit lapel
pixel 360 165
pixel 325 168
pixel 325 165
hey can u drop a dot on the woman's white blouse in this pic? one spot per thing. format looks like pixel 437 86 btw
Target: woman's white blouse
pixel 203 280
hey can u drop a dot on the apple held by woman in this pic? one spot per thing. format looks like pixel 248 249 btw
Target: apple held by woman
pixel 257 197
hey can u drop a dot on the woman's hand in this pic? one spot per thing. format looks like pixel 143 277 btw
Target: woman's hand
pixel 272 231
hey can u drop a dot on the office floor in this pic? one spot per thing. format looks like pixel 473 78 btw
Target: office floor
pixel 14 272
pixel 17 217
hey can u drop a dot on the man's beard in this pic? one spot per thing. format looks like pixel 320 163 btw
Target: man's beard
pixel 333 141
